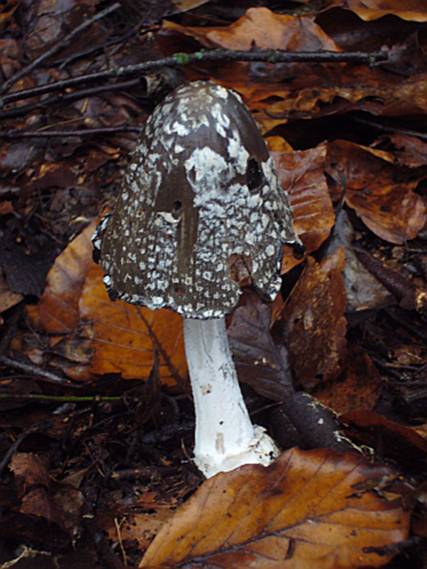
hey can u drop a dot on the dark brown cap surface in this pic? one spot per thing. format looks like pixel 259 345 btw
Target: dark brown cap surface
pixel 199 190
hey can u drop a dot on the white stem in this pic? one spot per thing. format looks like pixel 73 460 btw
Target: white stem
pixel 225 438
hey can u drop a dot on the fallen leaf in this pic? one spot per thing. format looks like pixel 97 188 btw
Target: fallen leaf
pixel 363 290
pixel 259 361
pixel 301 174
pixel 101 336
pixel 7 297
pixel 379 194
pixel 408 150
pixel 308 509
pixel 358 388
pixel 411 10
pixel 314 322
pixel 399 442
pixel 43 498
pixel 264 29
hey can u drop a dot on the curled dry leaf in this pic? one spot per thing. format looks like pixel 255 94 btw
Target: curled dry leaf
pixel 265 29
pixel 407 150
pixel 411 10
pixel 114 337
pixel 378 193
pixel 301 174
pixel 308 509
pixel 314 321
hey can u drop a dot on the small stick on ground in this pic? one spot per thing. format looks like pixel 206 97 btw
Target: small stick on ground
pixel 178 59
pixel 66 40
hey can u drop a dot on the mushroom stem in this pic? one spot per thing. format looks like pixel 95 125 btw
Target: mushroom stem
pixel 225 437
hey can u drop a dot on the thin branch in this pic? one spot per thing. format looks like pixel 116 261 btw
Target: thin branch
pixel 68 97
pixel 14 134
pixel 61 398
pixel 177 59
pixel 66 40
pixel 36 371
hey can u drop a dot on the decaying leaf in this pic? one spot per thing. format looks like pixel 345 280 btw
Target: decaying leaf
pixel 412 10
pixel 379 194
pixel 8 298
pixel 314 322
pixel 308 509
pixel 98 335
pixel 392 439
pixel 363 290
pixel 357 388
pixel 301 174
pixel 407 150
pixel 42 498
pixel 264 29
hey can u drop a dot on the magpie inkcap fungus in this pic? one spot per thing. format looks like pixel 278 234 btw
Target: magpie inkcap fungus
pixel 199 192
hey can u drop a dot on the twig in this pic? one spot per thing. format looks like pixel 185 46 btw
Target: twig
pixel 13 134
pixel 58 46
pixel 62 398
pixel 177 59
pixel 36 371
pixel 119 537
pixel 68 97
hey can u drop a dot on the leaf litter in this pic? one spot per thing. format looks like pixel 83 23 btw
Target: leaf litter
pixel 96 423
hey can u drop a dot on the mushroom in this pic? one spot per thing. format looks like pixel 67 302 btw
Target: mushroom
pixel 198 199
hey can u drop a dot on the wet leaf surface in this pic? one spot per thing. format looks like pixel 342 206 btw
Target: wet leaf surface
pixel 314 322
pixel 304 510
pixel 91 470
pixel 381 196
pixel 104 336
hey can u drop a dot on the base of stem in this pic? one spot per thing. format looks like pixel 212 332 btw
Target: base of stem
pixel 260 450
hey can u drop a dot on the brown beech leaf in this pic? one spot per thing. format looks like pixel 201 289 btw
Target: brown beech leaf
pixel 363 290
pixel 358 388
pixel 265 29
pixel 378 193
pixel 400 442
pixel 97 335
pixel 314 322
pixel 411 10
pixel 43 498
pixel 407 150
pixel 301 174
pixel 308 509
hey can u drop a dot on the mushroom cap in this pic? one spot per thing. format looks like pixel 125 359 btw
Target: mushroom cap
pixel 199 192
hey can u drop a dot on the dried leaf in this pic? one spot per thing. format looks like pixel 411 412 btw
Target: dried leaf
pixel 394 440
pixel 408 150
pixel 363 290
pixel 380 195
pixel 411 10
pixel 314 322
pixel 41 497
pixel 103 336
pixel 259 361
pixel 358 388
pixel 308 509
pixel 7 297
pixel 263 28
pixel 301 174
